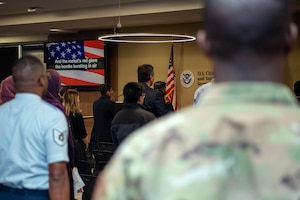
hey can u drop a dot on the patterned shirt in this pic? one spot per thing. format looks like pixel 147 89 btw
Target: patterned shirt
pixel 241 142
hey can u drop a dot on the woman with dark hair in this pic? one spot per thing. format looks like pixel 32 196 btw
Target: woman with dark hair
pixel 53 98
pixel 104 111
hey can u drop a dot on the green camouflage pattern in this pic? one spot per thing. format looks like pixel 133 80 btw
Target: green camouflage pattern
pixel 242 142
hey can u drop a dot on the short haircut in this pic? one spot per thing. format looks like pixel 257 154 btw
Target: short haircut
pixel 132 91
pixel 256 26
pixel 26 69
pixel 158 85
pixel 104 88
pixel 144 71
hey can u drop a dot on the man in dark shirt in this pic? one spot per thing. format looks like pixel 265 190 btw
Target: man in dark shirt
pixel 132 116
pixel 154 100
pixel 104 111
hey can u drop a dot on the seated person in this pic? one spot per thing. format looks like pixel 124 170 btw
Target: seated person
pixel 132 116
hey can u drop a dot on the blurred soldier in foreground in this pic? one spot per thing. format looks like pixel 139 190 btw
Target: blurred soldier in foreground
pixel 242 140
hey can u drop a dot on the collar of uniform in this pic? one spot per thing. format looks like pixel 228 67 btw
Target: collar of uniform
pixel 145 85
pixel 104 97
pixel 30 96
pixel 250 92
pixel 131 106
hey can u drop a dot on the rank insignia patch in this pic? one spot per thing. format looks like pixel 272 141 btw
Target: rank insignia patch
pixel 59 138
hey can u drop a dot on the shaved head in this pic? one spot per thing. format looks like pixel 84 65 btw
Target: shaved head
pixel 29 75
pixel 27 69
pixel 258 26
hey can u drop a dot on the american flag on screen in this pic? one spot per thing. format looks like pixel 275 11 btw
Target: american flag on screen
pixel 171 83
pixel 75 49
pixel 79 49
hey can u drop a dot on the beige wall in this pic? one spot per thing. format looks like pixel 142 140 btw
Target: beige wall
pixel 187 56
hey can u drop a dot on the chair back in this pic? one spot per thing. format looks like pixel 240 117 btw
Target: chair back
pixel 106 146
pixel 89 181
pixel 102 157
pixel 84 167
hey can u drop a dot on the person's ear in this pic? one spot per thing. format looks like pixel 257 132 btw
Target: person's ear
pixel 140 100
pixel 42 80
pixel 203 42
pixel 292 36
pixel 151 77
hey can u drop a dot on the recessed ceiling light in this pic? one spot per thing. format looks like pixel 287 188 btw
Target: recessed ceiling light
pixel 34 9
pixel 55 30
pixel 2 2
pixel 58 30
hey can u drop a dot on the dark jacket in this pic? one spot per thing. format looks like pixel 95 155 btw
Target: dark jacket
pixel 104 111
pixel 78 127
pixel 79 132
pixel 131 117
pixel 154 101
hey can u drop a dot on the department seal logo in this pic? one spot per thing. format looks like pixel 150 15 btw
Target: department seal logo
pixel 187 78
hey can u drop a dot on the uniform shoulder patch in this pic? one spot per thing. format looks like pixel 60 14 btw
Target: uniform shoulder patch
pixel 59 137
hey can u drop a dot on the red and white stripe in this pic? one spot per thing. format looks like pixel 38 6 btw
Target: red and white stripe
pixel 94 49
pixel 93 77
pixel 171 83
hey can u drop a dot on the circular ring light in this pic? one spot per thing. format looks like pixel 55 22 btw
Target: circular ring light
pixel 152 38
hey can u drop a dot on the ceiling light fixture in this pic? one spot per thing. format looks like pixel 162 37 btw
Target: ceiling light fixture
pixel 34 9
pixel 55 30
pixel 146 38
pixel 58 30
pixel 2 2
pixel 119 25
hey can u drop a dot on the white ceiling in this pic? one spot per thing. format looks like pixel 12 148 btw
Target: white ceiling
pixel 76 15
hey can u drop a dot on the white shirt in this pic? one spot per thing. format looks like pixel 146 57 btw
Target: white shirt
pixel 33 135
pixel 201 91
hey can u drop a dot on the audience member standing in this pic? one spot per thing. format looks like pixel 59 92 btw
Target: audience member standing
pixel 132 116
pixel 71 103
pixel 52 97
pixel 161 86
pixel 33 145
pixel 7 90
pixel 202 89
pixel 104 111
pixel 241 142
pixel 154 100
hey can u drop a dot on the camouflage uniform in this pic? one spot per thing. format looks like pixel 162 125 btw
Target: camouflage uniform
pixel 241 142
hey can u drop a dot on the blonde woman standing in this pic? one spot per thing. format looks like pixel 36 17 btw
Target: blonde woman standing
pixel 71 103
